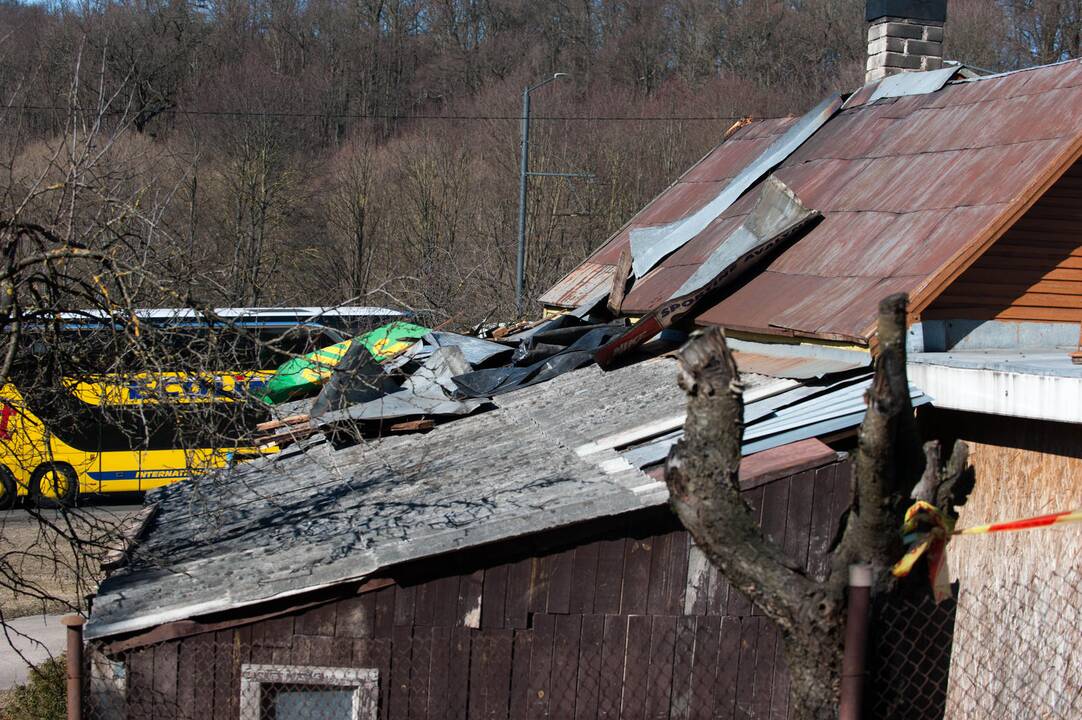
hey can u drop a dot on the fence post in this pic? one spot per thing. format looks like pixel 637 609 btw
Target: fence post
pixel 74 623
pixel 856 637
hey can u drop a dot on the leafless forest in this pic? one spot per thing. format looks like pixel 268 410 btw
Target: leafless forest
pixel 247 152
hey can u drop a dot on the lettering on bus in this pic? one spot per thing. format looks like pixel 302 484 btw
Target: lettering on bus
pixel 6 411
pixel 151 389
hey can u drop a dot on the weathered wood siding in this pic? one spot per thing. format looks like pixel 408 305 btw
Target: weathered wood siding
pixel 1021 579
pixel 626 621
pixel 1034 272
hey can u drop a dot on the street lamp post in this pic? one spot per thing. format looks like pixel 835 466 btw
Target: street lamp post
pixel 523 176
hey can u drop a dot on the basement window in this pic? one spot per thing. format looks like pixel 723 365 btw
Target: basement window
pixel 299 692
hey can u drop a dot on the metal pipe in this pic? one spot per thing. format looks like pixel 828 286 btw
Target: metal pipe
pixel 856 641
pixel 520 264
pixel 74 623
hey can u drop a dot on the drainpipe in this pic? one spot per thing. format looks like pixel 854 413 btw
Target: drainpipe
pixel 856 639
pixel 74 623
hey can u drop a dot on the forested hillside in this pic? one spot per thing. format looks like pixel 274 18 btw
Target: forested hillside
pixel 366 151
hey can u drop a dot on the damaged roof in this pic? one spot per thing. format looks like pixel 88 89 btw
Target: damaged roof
pixel 912 190
pixel 576 448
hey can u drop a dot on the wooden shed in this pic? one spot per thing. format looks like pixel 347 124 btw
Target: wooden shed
pixel 519 563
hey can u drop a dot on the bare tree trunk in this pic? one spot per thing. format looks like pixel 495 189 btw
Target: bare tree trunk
pixel 703 478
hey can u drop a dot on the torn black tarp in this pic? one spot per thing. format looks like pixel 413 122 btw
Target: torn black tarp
pixel 358 378
pixel 427 392
pixel 476 351
pixel 493 381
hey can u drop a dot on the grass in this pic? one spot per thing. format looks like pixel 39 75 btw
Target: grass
pixel 41 571
pixel 43 697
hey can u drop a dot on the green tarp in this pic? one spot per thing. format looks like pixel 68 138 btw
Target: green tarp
pixel 303 375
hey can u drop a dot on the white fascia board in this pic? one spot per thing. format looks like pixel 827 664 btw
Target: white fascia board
pixel 996 392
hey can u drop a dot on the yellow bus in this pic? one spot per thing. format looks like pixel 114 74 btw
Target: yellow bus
pixel 122 434
pixel 130 430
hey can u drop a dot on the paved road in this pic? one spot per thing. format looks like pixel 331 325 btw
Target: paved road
pixel 37 637
pixel 19 515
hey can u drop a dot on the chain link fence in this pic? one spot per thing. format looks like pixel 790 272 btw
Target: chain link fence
pixel 1007 650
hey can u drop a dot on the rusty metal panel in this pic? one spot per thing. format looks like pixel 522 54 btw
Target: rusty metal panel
pixel 583 282
pixel 912 190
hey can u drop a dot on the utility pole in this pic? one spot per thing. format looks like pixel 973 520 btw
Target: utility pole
pixel 523 179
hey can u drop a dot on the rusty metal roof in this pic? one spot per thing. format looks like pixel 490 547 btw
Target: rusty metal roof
pixel 913 189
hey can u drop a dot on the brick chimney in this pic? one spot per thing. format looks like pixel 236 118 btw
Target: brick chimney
pixel 905 35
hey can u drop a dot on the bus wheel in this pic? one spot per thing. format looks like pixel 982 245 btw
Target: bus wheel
pixel 54 485
pixel 8 489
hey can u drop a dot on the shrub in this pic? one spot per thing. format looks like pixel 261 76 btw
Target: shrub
pixel 43 697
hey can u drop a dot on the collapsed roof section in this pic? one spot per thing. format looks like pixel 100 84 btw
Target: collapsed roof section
pixel 914 184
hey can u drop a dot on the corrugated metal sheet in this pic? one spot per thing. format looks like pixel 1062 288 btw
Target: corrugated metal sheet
pixel 799 368
pixel 802 413
pixel 692 191
pixel 913 190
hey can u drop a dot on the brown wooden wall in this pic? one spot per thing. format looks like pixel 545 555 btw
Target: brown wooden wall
pixel 1034 272
pixel 620 619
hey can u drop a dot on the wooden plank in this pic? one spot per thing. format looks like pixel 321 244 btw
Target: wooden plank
pixel 765 652
pixel 728 667
pixel 769 465
pixel 610 690
pixel 588 680
pixel 426 600
pixel 799 517
pixel 494 597
pixel 678 573
pixel 824 524
pixel 384 612
pixel 490 674
pixel 189 661
pixel 540 680
pixel 659 590
pixel 704 668
pixel 405 597
pixel 584 585
pixel 610 575
pixel 469 599
pixel 447 601
pixel 565 665
pixel 775 509
pixel 560 579
pixel 413 426
pixel 140 668
pixel 355 617
pixel 520 675
pixel 540 570
pixel 459 674
pixel 636 576
pixel 420 672
pixel 401 670
pixel 165 681
pixel 619 281
pixel 516 605
pixel 274 632
pixel 439 672
pixel 779 695
pixel 697 587
pixel 636 668
pixel 683 656
pixel 662 657
pixel 745 678
pixel 225 692
pixel 317 621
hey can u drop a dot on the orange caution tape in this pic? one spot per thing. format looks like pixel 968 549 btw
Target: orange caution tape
pixel 927 531
pixel 1026 524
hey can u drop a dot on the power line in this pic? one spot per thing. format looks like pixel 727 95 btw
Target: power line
pixel 402 117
